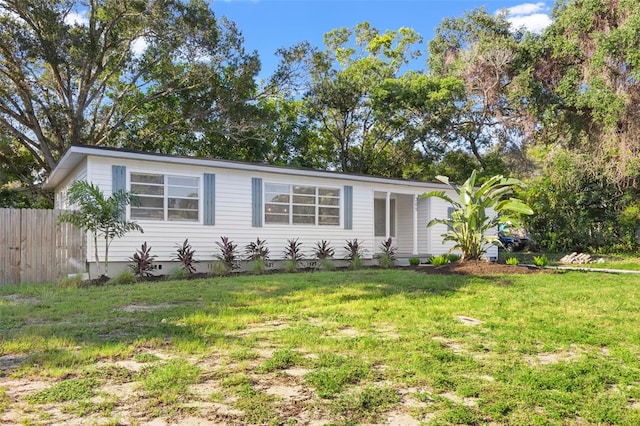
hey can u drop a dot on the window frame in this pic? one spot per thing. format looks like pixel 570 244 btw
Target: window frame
pixel 166 196
pixel 393 217
pixel 296 199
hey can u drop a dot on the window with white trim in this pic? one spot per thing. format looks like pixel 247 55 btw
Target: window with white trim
pixel 165 197
pixel 380 217
pixel 301 205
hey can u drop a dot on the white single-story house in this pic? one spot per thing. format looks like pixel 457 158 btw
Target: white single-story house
pixel 204 199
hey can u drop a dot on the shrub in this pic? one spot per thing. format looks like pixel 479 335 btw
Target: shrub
pixel 142 261
pixel 453 257
pixel 185 255
pixel 323 250
pixel 385 261
pixel 258 266
pixel 228 254
pixel 123 278
pixel 71 281
pixel 440 260
pixel 354 253
pixel 293 254
pixel 512 261
pixel 289 266
pixel 327 265
pixel 177 274
pixel 219 268
pixel 257 250
pixel 414 261
pixel 540 261
pixel 388 254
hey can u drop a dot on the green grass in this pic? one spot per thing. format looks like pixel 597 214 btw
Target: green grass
pixel 169 383
pixel 354 346
pixel 68 390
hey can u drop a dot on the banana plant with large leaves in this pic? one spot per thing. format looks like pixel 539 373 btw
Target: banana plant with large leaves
pixel 478 210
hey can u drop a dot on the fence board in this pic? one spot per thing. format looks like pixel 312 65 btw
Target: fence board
pixel 35 248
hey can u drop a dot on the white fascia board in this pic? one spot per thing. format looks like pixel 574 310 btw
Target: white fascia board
pixel 76 154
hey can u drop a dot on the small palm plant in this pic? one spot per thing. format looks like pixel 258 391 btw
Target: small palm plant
pixel 257 254
pixel 293 255
pixel 354 253
pixel 472 217
pixel 228 254
pixel 185 255
pixel 100 215
pixel 142 261
pixel 324 253
pixel 388 254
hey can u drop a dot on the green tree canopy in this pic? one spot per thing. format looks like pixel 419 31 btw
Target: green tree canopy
pixel 162 75
pixel 370 114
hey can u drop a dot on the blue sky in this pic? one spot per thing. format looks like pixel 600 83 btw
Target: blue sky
pixel 270 24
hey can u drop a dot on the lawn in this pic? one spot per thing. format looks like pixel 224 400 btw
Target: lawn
pixel 371 346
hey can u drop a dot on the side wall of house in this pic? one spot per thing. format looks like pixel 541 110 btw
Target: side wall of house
pixel 404 223
pixel 233 213
pixel 61 200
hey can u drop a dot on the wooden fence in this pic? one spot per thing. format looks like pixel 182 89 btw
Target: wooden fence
pixel 34 247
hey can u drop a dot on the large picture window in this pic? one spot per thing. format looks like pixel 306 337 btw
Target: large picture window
pixel 301 205
pixel 163 197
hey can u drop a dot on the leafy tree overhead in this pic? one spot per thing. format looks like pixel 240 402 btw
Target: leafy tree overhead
pixel 370 116
pixel 477 210
pixel 583 85
pixel 132 73
pixel 100 215
pixel 484 52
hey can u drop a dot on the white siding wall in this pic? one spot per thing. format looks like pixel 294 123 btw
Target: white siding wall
pixel 61 198
pixel 233 214
pixel 404 224
pixel 438 210
pixel 425 244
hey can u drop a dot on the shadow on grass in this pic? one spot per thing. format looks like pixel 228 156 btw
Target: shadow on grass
pixel 77 327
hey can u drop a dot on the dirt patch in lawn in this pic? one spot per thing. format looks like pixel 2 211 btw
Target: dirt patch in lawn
pixel 480 269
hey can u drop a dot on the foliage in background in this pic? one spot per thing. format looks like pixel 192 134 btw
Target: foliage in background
pixel 146 75
pixel 576 211
pixel 477 211
pixel 185 254
pixel 142 261
pixel 99 215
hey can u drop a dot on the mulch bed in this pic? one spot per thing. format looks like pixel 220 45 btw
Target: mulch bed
pixel 481 269
pixel 455 268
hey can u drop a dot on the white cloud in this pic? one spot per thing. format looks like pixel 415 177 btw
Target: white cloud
pixel 525 9
pixel 76 18
pixel 530 16
pixel 536 23
pixel 138 46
